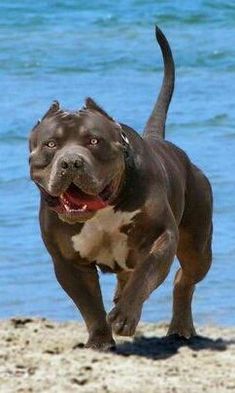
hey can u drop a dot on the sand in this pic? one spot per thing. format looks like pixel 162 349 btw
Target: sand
pixel 37 355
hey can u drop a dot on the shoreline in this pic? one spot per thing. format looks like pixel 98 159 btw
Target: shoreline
pixel 39 355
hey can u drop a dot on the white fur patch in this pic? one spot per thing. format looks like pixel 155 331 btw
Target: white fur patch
pixel 100 238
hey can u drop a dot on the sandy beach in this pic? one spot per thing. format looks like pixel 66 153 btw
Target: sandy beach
pixel 38 355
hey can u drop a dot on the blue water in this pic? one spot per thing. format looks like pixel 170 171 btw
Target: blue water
pixel 68 50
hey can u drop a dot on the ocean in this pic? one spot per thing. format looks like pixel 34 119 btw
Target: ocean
pixel 68 50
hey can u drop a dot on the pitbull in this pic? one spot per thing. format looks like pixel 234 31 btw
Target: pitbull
pixel 124 203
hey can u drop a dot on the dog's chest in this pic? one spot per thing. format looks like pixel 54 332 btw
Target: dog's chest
pixel 102 238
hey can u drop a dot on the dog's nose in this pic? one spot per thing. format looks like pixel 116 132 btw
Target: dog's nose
pixel 64 164
pixel 74 162
pixel 78 163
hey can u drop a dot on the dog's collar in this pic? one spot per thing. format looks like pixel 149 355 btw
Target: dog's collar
pixel 126 147
pixel 124 139
pixel 129 174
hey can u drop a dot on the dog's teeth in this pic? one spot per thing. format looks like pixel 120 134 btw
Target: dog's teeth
pixel 65 201
pixel 66 207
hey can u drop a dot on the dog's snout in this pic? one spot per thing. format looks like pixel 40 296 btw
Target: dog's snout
pixel 72 162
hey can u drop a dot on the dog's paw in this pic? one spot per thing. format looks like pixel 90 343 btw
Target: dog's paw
pixel 102 346
pixel 100 338
pixel 180 329
pixel 124 320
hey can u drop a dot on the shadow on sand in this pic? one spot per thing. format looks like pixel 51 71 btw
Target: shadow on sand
pixel 165 347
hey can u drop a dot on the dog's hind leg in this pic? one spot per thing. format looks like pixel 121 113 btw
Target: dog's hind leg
pixel 195 260
pixel 193 251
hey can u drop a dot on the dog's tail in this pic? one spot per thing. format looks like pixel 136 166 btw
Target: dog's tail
pixel 156 122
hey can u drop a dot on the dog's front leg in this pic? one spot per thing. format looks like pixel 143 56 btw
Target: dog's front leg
pixel 146 277
pixel 81 283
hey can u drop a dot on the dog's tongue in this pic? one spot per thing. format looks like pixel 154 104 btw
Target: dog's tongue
pixel 77 198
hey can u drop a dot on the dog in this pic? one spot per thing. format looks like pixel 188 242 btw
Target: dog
pixel 124 203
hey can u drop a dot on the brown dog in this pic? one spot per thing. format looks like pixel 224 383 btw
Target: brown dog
pixel 126 203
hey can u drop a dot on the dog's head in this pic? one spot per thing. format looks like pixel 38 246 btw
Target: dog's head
pixel 77 160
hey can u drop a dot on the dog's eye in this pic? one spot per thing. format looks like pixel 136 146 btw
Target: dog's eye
pixel 94 141
pixel 51 144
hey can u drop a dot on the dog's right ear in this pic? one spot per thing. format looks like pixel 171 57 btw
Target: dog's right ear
pixel 55 107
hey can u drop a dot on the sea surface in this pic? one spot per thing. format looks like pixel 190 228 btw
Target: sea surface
pixel 68 50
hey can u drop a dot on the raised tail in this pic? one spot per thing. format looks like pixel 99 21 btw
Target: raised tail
pixel 156 122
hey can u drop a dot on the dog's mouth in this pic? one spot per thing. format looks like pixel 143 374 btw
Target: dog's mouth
pixel 74 201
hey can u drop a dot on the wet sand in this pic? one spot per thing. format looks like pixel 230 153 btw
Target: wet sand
pixel 37 355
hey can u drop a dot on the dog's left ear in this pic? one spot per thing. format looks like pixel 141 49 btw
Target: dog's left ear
pixel 90 104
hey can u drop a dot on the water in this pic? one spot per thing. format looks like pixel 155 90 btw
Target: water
pixel 68 50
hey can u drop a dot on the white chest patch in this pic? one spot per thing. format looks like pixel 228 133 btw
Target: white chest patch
pixel 101 239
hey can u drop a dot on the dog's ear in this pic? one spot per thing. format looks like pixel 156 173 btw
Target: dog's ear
pixel 55 107
pixel 93 106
